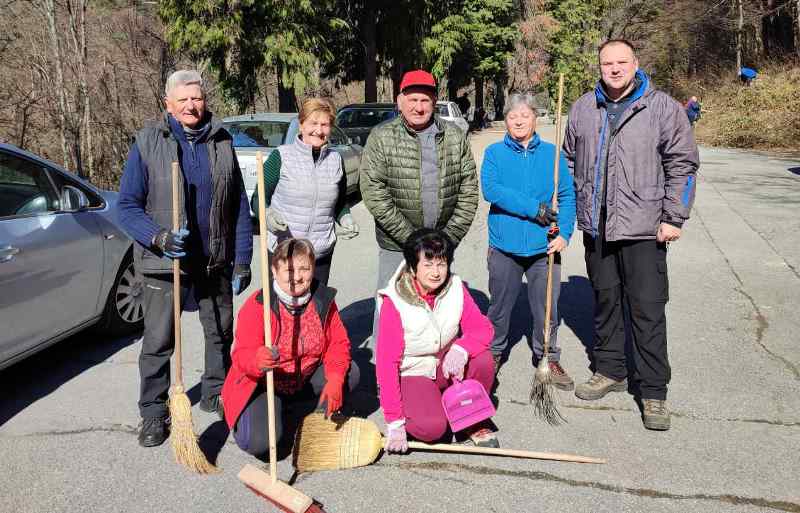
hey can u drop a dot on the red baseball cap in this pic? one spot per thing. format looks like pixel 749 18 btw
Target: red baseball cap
pixel 419 78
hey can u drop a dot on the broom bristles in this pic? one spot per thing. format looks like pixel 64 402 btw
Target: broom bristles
pixel 542 397
pixel 184 441
pixel 323 444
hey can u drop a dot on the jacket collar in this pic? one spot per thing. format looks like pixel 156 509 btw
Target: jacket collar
pixel 517 146
pixel 641 89
pixel 169 125
pixel 307 149
pixel 404 285
pixel 440 125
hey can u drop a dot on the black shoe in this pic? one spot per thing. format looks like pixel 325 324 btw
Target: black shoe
pixel 154 431
pixel 213 404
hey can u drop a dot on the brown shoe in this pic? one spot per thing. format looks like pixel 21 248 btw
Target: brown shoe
pixel 655 414
pixel 559 377
pixel 497 358
pixel 598 386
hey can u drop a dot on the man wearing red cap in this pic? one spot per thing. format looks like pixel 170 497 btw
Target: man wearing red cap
pixel 417 171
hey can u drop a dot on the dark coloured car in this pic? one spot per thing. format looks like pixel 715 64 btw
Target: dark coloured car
pixel 358 119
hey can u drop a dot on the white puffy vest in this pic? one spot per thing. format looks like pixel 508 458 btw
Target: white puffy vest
pixel 427 331
pixel 307 193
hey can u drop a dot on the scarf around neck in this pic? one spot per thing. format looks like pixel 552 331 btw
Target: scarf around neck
pixel 289 301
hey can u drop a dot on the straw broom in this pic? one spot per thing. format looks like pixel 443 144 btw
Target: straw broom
pixel 183 438
pixel 542 397
pixel 263 484
pixel 325 444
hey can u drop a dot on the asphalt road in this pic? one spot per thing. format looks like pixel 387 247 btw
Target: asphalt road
pixel 68 416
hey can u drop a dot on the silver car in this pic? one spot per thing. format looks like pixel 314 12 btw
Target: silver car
pixel 65 264
pixel 449 111
pixel 266 131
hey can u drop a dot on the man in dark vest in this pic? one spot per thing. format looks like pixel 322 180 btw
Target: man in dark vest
pixel 214 243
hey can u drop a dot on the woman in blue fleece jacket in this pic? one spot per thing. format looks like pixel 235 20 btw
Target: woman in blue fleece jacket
pixel 517 179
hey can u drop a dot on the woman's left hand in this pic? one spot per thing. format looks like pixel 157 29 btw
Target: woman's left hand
pixel 557 245
pixel 331 396
pixel 349 228
pixel 454 362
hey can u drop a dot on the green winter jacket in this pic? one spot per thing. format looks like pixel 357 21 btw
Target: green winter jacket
pixel 391 185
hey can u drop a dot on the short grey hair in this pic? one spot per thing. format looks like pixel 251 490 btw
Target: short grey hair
pixel 518 99
pixel 183 77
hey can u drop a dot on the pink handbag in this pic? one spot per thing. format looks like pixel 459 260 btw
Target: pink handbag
pixel 466 403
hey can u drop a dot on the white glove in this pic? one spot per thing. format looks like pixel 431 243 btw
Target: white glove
pixel 396 438
pixel 454 362
pixel 275 221
pixel 348 227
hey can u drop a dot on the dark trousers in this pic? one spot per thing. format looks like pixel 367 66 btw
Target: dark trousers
pixel 214 298
pixel 505 279
pixel 630 274
pixel 250 430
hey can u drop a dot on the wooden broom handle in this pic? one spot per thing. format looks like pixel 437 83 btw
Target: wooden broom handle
pixel 551 258
pixel 491 451
pixel 265 296
pixel 176 275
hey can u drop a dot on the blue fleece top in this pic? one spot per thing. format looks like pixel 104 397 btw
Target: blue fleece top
pixel 198 190
pixel 515 179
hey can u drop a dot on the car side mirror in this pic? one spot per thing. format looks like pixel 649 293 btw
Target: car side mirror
pixel 73 199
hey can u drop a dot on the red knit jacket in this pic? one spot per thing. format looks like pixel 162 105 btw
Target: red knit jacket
pixel 244 376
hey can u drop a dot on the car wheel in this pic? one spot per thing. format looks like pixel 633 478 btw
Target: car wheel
pixel 124 312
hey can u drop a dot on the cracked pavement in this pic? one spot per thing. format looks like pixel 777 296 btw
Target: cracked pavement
pixel 68 425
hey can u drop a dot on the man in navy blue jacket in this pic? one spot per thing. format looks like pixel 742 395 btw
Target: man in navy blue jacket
pixel 214 243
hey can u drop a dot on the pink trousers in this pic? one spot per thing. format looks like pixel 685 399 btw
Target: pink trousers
pixel 422 397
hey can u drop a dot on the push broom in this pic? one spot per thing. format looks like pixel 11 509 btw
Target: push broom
pixel 267 484
pixel 325 444
pixel 542 397
pixel 182 436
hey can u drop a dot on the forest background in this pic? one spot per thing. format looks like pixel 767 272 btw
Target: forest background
pixel 79 77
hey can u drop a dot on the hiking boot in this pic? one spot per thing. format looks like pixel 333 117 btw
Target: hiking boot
pixel 481 435
pixel 655 414
pixel 598 386
pixel 213 404
pixel 154 431
pixel 559 377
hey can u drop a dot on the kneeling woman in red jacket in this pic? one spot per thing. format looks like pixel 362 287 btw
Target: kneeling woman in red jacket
pixel 310 355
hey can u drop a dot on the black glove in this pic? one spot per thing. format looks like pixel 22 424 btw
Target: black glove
pixel 240 279
pixel 171 243
pixel 545 215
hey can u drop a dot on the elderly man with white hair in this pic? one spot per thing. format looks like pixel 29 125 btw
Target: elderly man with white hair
pixel 214 243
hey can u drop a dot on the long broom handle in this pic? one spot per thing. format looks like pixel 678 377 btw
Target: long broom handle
pixel 516 453
pixel 265 296
pixel 551 258
pixel 176 275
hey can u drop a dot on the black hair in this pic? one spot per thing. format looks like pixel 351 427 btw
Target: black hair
pixel 432 243
pixel 616 41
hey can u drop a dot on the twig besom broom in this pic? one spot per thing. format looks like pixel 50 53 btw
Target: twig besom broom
pixel 267 485
pixel 182 436
pixel 324 444
pixel 542 397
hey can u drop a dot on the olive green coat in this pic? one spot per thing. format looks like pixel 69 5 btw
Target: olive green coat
pixel 391 185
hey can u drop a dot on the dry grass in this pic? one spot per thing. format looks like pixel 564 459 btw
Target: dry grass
pixel 764 116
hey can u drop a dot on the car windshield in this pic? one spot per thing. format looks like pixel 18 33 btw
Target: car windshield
pixel 443 110
pixel 256 134
pixel 355 118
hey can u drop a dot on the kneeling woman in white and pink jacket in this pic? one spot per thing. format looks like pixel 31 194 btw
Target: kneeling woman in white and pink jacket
pixel 430 332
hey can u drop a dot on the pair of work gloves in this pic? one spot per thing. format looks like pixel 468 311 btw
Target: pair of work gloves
pixel 171 244
pixel 276 224
pixel 453 365
pixel 331 398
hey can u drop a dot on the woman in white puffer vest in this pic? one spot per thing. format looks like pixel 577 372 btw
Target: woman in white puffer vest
pixel 306 188
pixel 430 333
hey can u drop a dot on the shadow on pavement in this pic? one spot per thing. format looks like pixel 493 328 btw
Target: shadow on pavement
pixel 576 307
pixel 38 375
pixel 794 170
pixel 357 319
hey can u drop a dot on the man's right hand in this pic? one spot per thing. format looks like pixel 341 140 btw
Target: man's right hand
pixel 275 221
pixel 267 358
pixel 171 242
pixel 545 215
